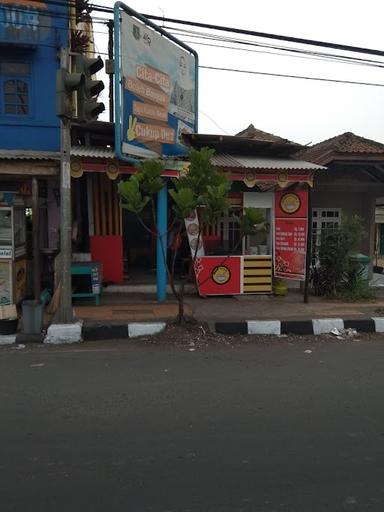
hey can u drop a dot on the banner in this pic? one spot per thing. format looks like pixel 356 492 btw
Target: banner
pixel 291 227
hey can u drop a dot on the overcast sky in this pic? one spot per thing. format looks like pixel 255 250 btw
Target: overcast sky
pixel 301 110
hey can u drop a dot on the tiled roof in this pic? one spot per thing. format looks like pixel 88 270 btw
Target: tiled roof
pixel 253 133
pixel 347 144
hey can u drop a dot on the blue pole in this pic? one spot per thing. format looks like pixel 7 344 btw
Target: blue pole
pixel 161 244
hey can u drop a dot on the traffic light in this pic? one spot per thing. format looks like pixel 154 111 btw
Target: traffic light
pixel 88 108
pixel 66 84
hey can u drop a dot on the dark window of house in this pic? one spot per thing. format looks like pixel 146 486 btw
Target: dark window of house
pixel 15 88
pixel 16 97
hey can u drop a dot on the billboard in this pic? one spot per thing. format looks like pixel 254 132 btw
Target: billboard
pixel 155 87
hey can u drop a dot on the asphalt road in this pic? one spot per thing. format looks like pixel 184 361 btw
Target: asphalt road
pixel 250 428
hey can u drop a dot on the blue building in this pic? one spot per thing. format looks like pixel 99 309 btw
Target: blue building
pixel 31 34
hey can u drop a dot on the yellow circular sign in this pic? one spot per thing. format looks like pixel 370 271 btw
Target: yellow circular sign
pixel 112 170
pixel 290 203
pixel 221 274
pixel 282 179
pixel 76 169
pixel 250 178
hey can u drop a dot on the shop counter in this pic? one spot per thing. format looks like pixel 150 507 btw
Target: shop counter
pixel 233 275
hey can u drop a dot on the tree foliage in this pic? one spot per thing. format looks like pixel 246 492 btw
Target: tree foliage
pixel 335 273
pixel 203 188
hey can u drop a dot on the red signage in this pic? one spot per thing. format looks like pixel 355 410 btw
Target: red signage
pixel 218 275
pixel 291 226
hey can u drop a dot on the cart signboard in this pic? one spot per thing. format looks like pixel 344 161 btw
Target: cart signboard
pixel 5 282
pixel 6 253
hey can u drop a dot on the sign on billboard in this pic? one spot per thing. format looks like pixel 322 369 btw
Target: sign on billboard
pixel 156 88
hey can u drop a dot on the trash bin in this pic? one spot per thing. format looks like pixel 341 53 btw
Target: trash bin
pixel 362 261
pixel 32 316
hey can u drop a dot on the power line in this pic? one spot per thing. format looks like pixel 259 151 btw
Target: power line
pixel 264 35
pixel 247 42
pixel 281 75
pixel 56 15
pixel 305 55
pixel 55 27
pixel 297 40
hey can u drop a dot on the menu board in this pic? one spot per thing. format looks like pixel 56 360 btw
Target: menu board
pixel 291 226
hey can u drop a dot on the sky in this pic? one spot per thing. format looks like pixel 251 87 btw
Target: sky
pixel 303 111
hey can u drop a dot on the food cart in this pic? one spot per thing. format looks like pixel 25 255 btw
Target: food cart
pixel 13 261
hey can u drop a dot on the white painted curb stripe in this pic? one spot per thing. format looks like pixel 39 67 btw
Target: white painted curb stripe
pixel 264 327
pixel 63 333
pixel 379 324
pixel 145 329
pixel 7 339
pixel 325 325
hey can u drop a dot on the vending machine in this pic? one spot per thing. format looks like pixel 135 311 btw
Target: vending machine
pixel 13 260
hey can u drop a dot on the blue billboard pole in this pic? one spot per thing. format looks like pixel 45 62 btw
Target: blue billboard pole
pixel 162 244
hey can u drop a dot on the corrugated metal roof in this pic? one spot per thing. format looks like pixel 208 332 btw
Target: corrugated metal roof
pixel 92 152
pixel 19 154
pixel 250 162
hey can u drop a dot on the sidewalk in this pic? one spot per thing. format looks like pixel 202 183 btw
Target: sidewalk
pixel 121 312
pixel 269 307
pixel 117 307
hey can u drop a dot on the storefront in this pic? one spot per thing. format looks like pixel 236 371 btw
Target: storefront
pixel 106 232
pixel 29 224
pixel 265 176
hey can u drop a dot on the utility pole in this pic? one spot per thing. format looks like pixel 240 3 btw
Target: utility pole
pixel 65 315
pixel 67 83
pixel 35 239
pixel 309 247
pixel 111 77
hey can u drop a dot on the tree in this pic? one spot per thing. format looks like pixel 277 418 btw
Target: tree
pixel 203 188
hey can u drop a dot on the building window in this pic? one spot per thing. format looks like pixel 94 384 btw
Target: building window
pixel 228 229
pixel 16 100
pixel 15 88
pixel 323 219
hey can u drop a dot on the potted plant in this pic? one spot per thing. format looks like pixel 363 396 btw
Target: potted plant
pixel 257 241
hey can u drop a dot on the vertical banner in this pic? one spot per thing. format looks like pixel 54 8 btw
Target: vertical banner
pixel 291 227
pixel 192 227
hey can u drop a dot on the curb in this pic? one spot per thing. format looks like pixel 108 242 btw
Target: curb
pixel 315 326
pixel 95 332
pixel 98 332
pixel 75 333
